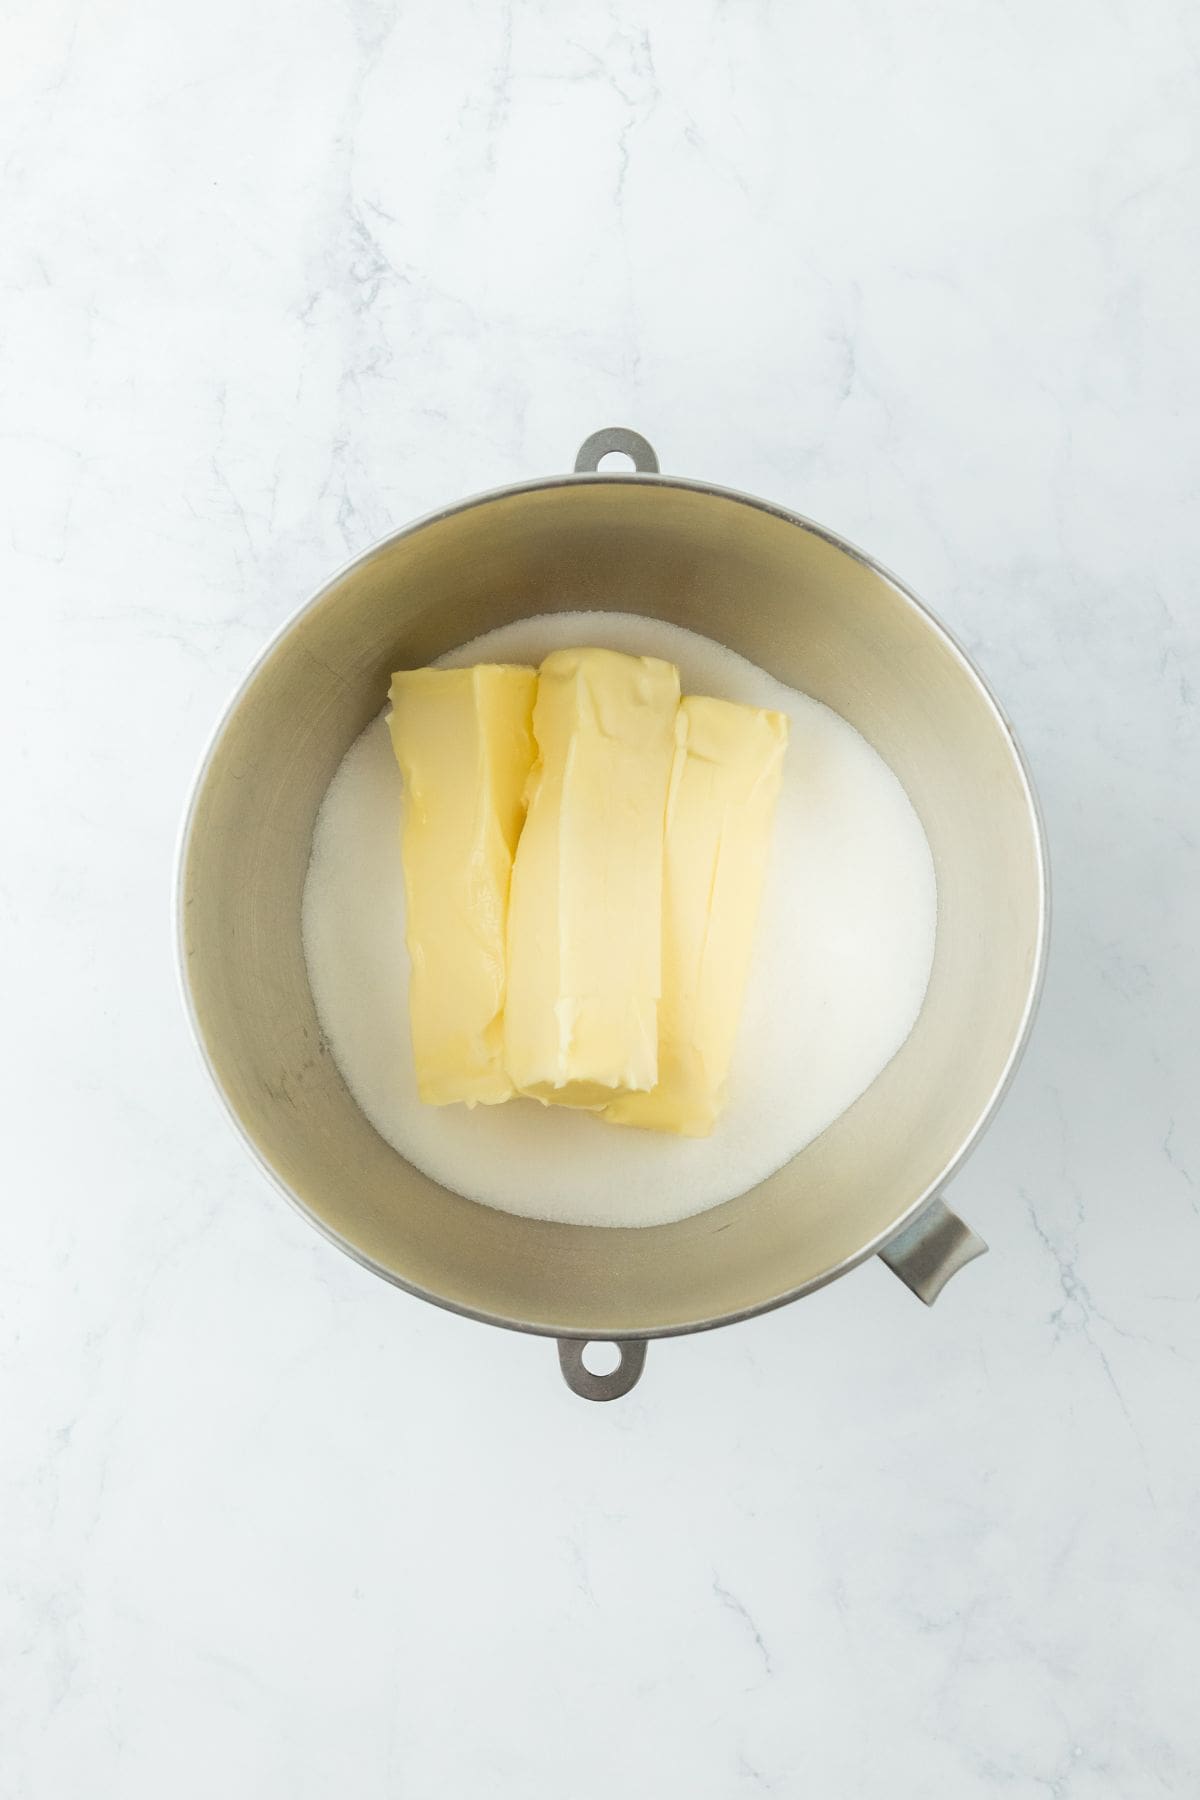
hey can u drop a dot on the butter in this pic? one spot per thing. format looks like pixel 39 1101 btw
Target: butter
pixel 724 784
pixel 464 742
pixel 584 928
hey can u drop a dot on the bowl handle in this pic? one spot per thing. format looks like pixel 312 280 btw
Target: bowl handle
pixel 615 438
pixel 929 1251
pixel 580 1379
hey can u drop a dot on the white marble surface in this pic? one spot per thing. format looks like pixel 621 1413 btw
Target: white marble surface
pixel 276 278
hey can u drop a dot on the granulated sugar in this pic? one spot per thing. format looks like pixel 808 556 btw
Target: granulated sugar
pixel 841 962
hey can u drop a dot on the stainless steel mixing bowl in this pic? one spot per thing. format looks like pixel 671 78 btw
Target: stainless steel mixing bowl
pixel 815 612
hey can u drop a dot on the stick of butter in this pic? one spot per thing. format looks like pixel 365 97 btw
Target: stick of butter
pixel 724 784
pixel 464 742
pixel 585 920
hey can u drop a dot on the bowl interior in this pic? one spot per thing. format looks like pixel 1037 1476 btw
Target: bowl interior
pixel 792 600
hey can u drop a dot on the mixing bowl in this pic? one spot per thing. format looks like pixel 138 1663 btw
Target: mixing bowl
pixel 813 611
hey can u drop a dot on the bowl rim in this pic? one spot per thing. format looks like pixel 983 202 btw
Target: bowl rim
pixel 542 1328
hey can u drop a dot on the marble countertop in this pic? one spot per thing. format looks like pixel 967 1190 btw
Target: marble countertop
pixel 275 279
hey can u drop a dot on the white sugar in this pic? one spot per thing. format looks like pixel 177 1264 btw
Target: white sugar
pixel 841 962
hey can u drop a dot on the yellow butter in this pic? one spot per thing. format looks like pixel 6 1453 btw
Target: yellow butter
pixel 584 929
pixel 464 742
pixel 724 784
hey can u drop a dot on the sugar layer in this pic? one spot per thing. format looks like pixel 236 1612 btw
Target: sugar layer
pixel 841 963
